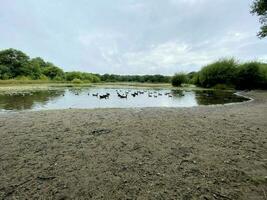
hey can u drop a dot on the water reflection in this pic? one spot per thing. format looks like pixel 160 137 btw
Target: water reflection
pixel 26 101
pixel 117 98
pixel 217 97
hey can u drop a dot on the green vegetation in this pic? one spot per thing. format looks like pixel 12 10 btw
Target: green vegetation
pixel 178 79
pixel 259 7
pixel 135 78
pixel 17 66
pixel 82 76
pixel 228 73
pixel 220 72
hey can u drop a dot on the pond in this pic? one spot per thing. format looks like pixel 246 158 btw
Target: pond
pixel 95 97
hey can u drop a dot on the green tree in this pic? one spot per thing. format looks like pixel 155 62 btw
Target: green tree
pixel 259 7
pixel 15 60
pixel 52 72
pixel 221 72
pixel 38 62
pixel 5 72
pixel 178 79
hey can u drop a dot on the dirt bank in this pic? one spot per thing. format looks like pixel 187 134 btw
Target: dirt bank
pixel 214 152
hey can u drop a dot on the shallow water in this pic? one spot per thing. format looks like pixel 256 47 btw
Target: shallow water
pixel 66 98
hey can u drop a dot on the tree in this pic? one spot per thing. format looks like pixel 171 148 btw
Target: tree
pixel 5 72
pixel 15 60
pixel 52 72
pixel 220 72
pixel 32 71
pixel 38 62
pixel 178 79
pixel 259 7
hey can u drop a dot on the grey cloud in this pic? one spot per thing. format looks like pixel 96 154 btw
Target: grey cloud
pixel 132 36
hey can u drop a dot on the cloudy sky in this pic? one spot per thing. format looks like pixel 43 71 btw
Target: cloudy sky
pixel 131 36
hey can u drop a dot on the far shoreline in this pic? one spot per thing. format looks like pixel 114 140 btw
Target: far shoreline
pixel 31 86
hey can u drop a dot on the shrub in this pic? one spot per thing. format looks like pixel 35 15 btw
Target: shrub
pixel 249 76
pixel 44 78
pixel 77 81
pixel 221 72
pixel 178 79
pixel 86 77
pixel 23 78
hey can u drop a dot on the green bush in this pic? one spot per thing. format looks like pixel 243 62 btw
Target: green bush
pixel 23 78
pixel 249 76
pixel 178 79
pixel 228 73
pixel 77 81
pixel 85 77
pixel 44 77
pixel 221 72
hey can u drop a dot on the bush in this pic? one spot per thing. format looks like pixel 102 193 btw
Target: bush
pixel 23 78
pixel 221 72
pixel 251 76
pixel 77 81
pixel 179 79
pixel 227 73
pixel 44 78
pixel 86 77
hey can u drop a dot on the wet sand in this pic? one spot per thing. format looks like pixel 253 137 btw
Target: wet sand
pixel 206 152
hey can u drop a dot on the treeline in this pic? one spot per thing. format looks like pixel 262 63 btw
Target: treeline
pixel 15 64
pixel 135 78
pixel 227 73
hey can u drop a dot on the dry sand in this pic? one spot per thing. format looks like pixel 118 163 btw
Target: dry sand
pixel 207 152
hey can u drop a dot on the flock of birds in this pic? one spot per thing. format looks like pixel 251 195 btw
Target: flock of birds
pixel 125 94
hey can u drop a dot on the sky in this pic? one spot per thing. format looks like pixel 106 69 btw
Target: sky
pixel 132 36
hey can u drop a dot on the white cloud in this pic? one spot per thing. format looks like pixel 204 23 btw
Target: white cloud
pixel 132 36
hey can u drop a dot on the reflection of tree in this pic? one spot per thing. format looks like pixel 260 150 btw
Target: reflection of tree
pixel 76 91
pixel 177 93
pixel 217 97
pixel 27 100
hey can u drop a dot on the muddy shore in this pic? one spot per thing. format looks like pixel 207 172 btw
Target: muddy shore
pixel 206 152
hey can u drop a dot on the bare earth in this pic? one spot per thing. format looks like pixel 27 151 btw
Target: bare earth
pixel 208 152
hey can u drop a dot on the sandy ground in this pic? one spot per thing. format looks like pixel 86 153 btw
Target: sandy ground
pixel 208 152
